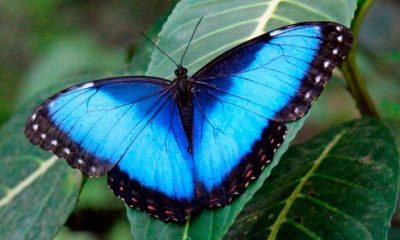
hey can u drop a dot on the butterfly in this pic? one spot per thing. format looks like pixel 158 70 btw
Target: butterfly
pixel 173 148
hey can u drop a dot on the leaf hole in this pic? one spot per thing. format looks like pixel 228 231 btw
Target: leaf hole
pixel 298 220
pixel 312 193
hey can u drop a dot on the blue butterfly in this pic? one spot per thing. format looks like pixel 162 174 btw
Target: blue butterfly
pixel 173 148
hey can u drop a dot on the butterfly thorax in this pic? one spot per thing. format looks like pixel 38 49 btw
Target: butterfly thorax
pixel 183 97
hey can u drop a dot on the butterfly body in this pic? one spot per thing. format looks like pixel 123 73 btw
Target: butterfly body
pixel 173 148
pixel 184 98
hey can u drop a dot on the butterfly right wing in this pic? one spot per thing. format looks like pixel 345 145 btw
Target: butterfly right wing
pixel 245 96
pixel 129 127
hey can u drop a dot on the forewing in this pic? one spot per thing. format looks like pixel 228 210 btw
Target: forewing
pixel 279 74
pixel 245 96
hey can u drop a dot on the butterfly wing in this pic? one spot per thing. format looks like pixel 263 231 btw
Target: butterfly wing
pixel 129 127
pixel 244 97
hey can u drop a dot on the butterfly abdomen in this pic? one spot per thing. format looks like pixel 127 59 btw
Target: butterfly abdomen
pixel 185 104
pixel 186 113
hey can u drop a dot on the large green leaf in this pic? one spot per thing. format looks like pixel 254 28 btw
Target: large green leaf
pixel 225 24
pixel 339 185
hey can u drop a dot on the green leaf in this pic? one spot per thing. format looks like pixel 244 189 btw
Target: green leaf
pixel 37 191
pixel 339 185
pixel 225 24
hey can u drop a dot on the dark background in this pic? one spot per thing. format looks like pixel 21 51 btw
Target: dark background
pixel 52 40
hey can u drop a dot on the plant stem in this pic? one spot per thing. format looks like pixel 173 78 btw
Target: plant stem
pixel 355 82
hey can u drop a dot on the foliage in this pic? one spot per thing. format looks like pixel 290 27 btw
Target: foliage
pixel 341 184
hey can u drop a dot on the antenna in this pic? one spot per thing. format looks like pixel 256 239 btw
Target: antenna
pixel 187 47
pixel 148 39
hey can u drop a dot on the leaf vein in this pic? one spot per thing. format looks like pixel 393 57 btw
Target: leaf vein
pixel 171 33
pixel 304 229
pixel 15 191
pixel 264 19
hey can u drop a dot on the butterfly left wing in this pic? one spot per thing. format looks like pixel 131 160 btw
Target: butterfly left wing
pixel 129 127
pixel 244 97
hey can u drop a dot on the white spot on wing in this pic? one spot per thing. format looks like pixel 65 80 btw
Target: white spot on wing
pixel 335 51
pixel 87 85
pixel 340 38
pixel 80 161
pixel 43 136
pixel 33 116
pixel 276 32
pixel 327 64
pixel 35 127
pixel 54 142
pixel 67 151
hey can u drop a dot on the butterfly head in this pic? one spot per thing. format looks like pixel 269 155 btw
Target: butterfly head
pixel 181 71
pixel 182 81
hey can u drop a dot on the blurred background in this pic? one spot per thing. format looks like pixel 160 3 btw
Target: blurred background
pixel 50 40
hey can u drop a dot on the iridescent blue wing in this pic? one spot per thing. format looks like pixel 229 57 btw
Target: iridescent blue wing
pixel 129 127
pixel 245 96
